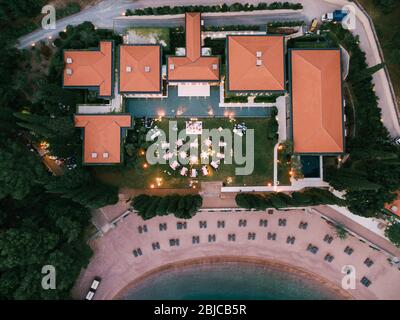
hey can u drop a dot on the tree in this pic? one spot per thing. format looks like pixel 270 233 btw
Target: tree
pixel 183 207
pixel 393 233
pixel 368 72
pixel 341 232
pixel 20 169
pixel 79 186
pixel 386 6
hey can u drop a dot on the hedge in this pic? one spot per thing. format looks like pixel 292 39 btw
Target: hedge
pixel 183 207
pixel 213 8
pixel 278 200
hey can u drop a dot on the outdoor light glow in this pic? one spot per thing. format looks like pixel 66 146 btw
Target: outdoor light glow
pixel 269 184
pixel 145 165
pixel 122 13
pixel 152 186
pixel 280 147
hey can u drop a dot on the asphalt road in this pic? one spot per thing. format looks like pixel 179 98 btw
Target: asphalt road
pixel 103 13
pixel 122 24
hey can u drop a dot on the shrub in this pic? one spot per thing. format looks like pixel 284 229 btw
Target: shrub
pixel 214 8
pixel 183 207
pixel 278 200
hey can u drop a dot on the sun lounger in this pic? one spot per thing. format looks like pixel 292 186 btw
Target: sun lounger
pixel 220 224
pixel 365 281
pixel 231 237
pixel 271 236
pixel 202 224
pixel 368 262
pixel 212 238
pixel 195 239
pixel 348 250
pixel 242 223
pixel 328 257
pixel 263 223
pixel 251 236
pixel 282 222
pixel 155 245
pixel 290 240
pixel 162 226
pixel 303 225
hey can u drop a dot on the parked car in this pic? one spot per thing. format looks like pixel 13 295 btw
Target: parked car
pixel 336 16
pixel 314 25
pixel 93 288
pixel 396 141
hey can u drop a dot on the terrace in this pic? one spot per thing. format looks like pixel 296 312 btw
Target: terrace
pixel 175 106
pixel 149 176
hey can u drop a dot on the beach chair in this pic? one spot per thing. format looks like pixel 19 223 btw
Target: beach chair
pixel 220 224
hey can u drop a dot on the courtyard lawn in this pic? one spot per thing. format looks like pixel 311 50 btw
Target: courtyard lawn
pixel 162 176
pixel 150 35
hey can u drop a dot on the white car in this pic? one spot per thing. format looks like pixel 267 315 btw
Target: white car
pixel 397 141
pixel 93 287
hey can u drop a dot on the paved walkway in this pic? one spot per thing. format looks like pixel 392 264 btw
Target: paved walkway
pixel 359 230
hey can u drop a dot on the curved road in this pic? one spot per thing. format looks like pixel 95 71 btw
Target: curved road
pixel 103 14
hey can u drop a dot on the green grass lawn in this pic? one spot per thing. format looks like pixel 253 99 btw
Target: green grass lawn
pixel 386 25
pixel 143 178
pixel 158 34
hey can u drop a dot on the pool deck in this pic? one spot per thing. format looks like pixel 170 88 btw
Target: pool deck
pixel 114 262
pixel 201 107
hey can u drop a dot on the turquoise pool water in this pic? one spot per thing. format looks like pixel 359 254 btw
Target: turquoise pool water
pixel 229 281
pixel 188 106
pixel 310 166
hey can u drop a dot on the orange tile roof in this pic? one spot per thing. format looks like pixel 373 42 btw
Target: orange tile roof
pixel 244 73
pixel 394 207
pixel 316 93
pixel 193 66
pixel 137 58
pixel 102 137
pixel 90 68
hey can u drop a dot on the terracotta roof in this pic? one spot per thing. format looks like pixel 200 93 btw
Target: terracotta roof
pixel 244 52
pixel 193 66
pixel 316 92
pixel 140 69
pixel 90 68
pixel 102 137
pixel 394 207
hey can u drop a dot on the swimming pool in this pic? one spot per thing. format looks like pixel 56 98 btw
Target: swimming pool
pixel 173 106
pixel 310 166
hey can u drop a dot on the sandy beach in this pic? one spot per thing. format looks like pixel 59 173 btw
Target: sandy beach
pixel 119 269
